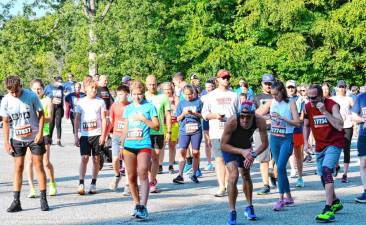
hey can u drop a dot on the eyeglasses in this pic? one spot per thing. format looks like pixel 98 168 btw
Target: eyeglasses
pixel 312 97
pixel 245 116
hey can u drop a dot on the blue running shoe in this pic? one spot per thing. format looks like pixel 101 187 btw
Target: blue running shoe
pixel 232 218
pixel 198 173
pixel 249 213
pixel 142 213
pixel 187 168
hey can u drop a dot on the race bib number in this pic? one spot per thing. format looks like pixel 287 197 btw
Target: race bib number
pixel 191 128
pixel 90 125
pixel 320 121
pixel 23 131
pixel 135 134
pixel 278 131
pixel 120 125
pixel 56 101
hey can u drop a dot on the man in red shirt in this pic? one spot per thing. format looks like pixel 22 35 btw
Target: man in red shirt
pixel 323 116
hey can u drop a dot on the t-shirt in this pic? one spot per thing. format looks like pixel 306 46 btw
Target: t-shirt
pixel 222 102
pixel 138 134
pixel 23 113
pixel 250 94
pixel 345 109
pixel 162 105
pixel 191 124
pixel 360 108
pixel 300 105
pixel 116 114
pixel 56 94
pixel 72 99
pixel 103 93
pixel 69 86
pixel 46 127
pixel 90 116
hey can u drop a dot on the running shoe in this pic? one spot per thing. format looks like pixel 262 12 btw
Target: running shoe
pixel 178 180
pixel 126 191
pixel 59 144
pixel 336 205
pixel 265 191
pixel 288 202
pixel 232 218
pixel 300 182
pixel 171 169
pixel 293 174
pixel 14 207
pixel 134 212
pixel 81 189
pixel 307 159
pixel 160 171
pixel 249 213
pixel 198 173
pixel 361 198
pixel 114 184
pixel 53 189
pixel 32 193
pixel 153 187
pixel 221 193
pixel 187 168
pixel 142 213
pixel 93 189
pixel 326 216
pixel 209 167
pixel 279 206
pixel 273 182
pixel 44 204
pixel 344 179
pixel 194 179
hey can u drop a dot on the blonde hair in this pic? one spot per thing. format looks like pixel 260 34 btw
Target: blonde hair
pixel 137 85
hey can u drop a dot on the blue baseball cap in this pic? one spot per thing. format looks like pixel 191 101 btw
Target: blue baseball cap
pixel 267 78
pixel 247 107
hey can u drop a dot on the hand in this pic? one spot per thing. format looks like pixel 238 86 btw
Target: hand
pixel 167 137
pixel 8 149
pixel 221 117
pixel 248 163
pixel 139 117
pixel 321 107
pixel 38 139
pixel 101 140
pixel 77 141
pixel 247 154
pixel 106 138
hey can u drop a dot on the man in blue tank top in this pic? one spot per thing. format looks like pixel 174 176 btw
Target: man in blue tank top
pixel 236 144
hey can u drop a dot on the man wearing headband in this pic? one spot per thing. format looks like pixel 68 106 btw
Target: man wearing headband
pixel 236 145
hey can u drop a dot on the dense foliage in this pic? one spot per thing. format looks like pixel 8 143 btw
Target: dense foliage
pixel 305 40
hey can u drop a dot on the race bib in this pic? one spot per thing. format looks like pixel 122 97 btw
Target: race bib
pixel 56 101
pixel 191 128
pixel 320 121
pixel 90 125
pixel 23 131
pixel 120 125
pixel 135 134
pixel 278 130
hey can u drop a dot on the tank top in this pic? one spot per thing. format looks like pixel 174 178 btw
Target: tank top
pixel 324 133
pixel 243 138
pixel 46 126
pixel 345 110
pixel 279 127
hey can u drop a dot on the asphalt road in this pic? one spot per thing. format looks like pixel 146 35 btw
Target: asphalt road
pixel 177 204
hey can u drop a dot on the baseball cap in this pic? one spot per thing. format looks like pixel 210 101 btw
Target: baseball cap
pixel 247 107
pixel 223 73
pixel 267 78
pixel 354 88
pixel 125 79
pixel 291 83
pixel 194 76
pixel 341 83
pixel 58 78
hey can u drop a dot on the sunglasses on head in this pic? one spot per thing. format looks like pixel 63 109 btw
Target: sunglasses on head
pixel 312 97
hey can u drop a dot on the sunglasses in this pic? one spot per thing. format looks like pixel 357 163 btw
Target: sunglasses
pixel 312 97
pixel 225 78
pixel 268 83
pixel 244 116
pixel 341 86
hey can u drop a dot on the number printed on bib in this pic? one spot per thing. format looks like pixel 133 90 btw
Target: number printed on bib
pixel 23 131
pixel 191 128
pixel 278 130
pixel 90 125
pixel 135 134
pixel 320 121
pixel 120 125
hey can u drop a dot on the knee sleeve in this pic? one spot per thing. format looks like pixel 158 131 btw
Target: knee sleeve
pixel 327 176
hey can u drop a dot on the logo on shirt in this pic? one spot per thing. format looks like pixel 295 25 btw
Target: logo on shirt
pixel 223 101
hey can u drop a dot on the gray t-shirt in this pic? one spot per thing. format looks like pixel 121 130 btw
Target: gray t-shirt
pixel 23 113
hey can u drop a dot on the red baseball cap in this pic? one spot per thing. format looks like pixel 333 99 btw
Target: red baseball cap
pixel 223 73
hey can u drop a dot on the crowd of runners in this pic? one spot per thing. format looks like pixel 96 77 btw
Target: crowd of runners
pixel 283 123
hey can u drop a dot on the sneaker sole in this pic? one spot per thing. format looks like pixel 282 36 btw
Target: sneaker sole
pixel 178 182
pixel 325 221
pixel 249 218
pixel 92 192
pixel 360 201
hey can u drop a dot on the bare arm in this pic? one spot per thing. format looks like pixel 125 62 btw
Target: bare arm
pixel 76 129
pixel 104 128
pixel 6 129
pixel 264 109
pixel 335 119
pixel 50 111
pixel 39 137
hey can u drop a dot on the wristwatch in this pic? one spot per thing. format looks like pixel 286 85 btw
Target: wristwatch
pixel 253 154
